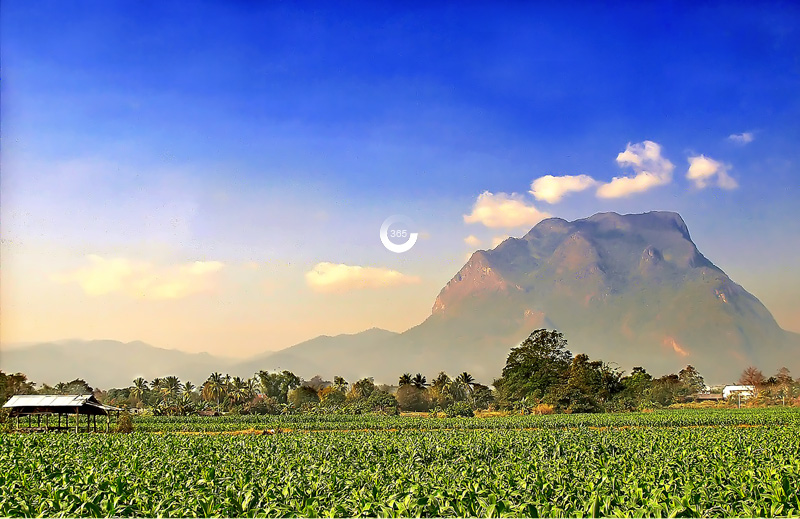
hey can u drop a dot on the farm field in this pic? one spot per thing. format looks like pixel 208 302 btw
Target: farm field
pixel 334 422
pixel 677 463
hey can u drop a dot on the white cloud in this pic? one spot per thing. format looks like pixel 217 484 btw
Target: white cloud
pixel 497 240
pixel 141 279
pixel 703 171
pixel 650 168
pixel 337 277
pixel 472 240
pixel 504 210
pixel 741 138
pixel 552 189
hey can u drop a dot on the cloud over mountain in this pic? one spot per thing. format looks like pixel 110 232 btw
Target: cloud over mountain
pixel 552 189
pixel 703 171
pixel 650 170
pixel 502 210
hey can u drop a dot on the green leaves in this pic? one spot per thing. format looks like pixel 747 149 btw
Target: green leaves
pixel 660 464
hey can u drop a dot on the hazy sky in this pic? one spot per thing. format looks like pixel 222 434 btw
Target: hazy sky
pixel 212 176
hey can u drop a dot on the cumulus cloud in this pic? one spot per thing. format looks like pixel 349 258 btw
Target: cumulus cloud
pixel 141 279
pixel 552 189
pixel 704 171
pixel 649 167
pixel 337 277
pixel 472 240
pixel 504 210
pixel 741 138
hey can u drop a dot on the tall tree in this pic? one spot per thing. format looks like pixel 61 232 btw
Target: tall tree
pixel 534 367
pixel 692 379
pixel 404 380
pixel 785 383
pixel 214 388
pixel 340 383
pixel 419 381
pixel 139 388
pixel 753 376
pixel 466 379
pixel 188 389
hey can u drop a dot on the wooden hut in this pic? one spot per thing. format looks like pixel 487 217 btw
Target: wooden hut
pixel 68 406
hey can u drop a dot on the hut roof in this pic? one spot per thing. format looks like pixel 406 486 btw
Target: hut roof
pixel 44 404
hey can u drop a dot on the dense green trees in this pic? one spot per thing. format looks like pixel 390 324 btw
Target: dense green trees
pixel 540 373
pixel 534 367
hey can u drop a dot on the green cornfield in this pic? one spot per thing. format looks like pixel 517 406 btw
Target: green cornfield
pixel 656 465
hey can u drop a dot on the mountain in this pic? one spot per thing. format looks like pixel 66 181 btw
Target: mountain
pixel 631 289
pixel 105 364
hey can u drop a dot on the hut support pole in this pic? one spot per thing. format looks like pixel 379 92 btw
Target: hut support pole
pixel 108 421
pixel 76 420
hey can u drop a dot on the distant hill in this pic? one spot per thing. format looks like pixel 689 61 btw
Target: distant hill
pixel 630 289
pixel 313 357
pixel 105 363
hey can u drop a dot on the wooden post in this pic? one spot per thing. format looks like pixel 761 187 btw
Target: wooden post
pixel 108 421
pixel 76 420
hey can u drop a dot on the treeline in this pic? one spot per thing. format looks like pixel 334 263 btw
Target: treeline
pixel 541 375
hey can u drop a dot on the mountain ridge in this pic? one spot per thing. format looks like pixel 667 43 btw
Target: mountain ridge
pixel 624 288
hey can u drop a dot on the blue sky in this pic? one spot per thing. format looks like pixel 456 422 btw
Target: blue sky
pixel 199 161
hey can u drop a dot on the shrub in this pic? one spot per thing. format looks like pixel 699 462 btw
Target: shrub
pixel 543 409
pixel 459 409
pixel 124 423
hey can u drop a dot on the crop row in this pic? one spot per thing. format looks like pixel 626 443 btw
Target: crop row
pixel 691 472
pixel 667 418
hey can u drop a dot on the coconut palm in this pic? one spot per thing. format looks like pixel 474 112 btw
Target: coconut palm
pixel 419 381
pixel 340 383
pixel 405 379
pixel 466 379
pixel 214 388
pixel 188 389
pixel 173 385
pixel 138 388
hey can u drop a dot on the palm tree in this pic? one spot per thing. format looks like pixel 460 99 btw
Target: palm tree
pixel 238 389
pixel 138 388
pixel 466 379
pixel 172 384
pixel 419 381
pixel 156 384
pixel 405 379
pixel 340 383
pixel 188 389
pixel 214 387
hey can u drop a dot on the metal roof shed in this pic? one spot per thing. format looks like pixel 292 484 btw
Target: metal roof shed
pixel 46 405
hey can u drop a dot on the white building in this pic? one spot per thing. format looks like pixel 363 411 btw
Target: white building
pixel 743 391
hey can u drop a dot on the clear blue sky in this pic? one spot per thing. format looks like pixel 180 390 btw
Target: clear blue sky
pixel 196 162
